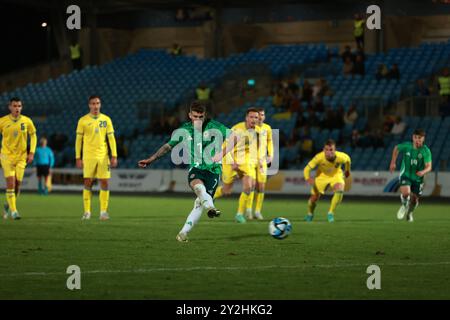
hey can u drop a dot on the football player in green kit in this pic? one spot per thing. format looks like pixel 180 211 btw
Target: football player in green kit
pixel 415 164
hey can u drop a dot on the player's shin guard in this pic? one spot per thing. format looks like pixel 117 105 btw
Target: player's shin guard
pixel 193 217
pixel 104 200
pixel 87 195
pixel 242 202
pixel 205 199
pixel 218 193
pixel 337 198
pixel 259 201
pixel 11 199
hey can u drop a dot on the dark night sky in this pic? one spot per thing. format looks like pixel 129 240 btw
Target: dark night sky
pixel 23 40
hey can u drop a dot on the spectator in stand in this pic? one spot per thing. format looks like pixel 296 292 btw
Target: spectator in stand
pixel 347 67
pixel 318 105
pixel 421 89
pixel 388 124
pixel 351 116
pixel 360 52
pixel 359 67
pixel 294 102
pixel 394 73
pixel 382 72
pixel 203 92
pixel 176 50
pixel 398 127
pixel 307 92
pixel 355 139
pixel 278 99
pixel 444 84
pixel 347 54
pixel 358 32
pixel 307 143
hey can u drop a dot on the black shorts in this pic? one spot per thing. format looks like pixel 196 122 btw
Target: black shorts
pixel 43 171
pixel 416 186
pixel 210 180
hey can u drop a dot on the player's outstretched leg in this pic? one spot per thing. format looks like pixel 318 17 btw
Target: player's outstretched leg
pixel 191 220
pixel 205 199
pixel 312 203
pixel 405 198
pixel 414 203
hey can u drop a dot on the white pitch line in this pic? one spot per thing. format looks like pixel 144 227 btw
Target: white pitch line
pixel 206 268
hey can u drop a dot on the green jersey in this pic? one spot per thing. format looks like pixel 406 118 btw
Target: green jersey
pixel 198 147
pixel 413 160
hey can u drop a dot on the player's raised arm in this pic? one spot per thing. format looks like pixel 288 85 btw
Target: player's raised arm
pixel 158 154
pixel 393 159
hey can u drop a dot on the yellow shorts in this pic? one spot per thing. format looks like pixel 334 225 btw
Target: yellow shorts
pixel 261 173
pixel 228 174
pixel 322 182
pixel 96 168
pixel 13 167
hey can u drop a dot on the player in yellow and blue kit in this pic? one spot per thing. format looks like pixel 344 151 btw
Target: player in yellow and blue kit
pixel 91 153
pixel 265 150
pixel 242 162
pixel 329 173
pixel 15 129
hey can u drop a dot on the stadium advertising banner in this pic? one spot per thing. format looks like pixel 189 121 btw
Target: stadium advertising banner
pixel 367 183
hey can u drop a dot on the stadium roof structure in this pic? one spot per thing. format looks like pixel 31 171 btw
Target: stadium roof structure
pixel 113 6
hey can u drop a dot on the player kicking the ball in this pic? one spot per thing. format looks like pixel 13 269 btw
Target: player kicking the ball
pixel 416 163
pixel 329 174
pixel 198 135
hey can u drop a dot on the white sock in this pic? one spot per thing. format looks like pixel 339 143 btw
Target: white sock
pixel 193 217
pixel 205 198
pixel 405 201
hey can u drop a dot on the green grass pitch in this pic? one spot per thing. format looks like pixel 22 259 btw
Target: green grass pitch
pixel 135 254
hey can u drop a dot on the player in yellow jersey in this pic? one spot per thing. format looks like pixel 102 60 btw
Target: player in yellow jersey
pixel 265 156
pixel 329 174
pixel 242 163
pixel 15 129
pixel 91 153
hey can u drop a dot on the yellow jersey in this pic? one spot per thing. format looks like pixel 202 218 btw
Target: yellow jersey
pixel 246 149
pixel 325 167
pixel 266 142
pixel 92 132
pixel 15 136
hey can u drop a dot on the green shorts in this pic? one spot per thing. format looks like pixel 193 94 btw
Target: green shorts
pixel 210 180
pixel 416 186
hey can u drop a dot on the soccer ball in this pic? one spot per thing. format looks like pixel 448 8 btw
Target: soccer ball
pixel 280 228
